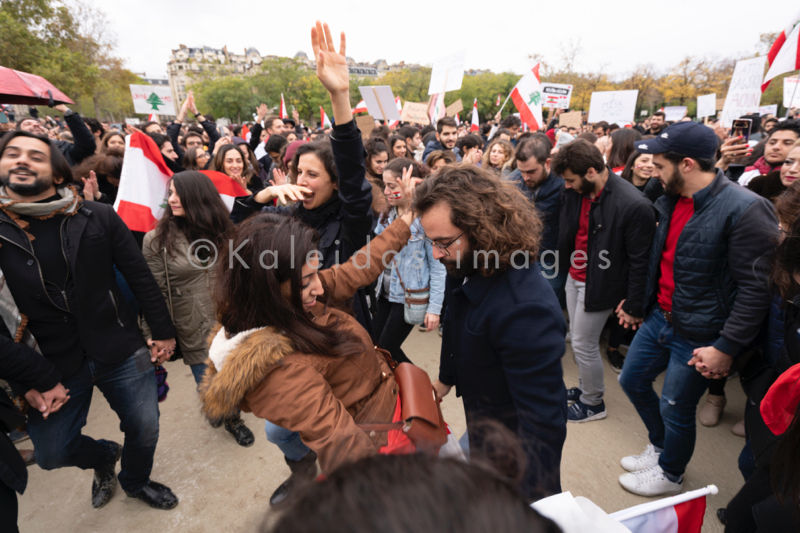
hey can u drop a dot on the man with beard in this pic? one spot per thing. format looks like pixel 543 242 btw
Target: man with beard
pixel 57 256
pixel 605 230
pixel 705 298
pixel 543 188
pixel 446 136
pixel 657 123
pixel 504 330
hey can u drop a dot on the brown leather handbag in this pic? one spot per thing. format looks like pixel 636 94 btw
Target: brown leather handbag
pixel 419 407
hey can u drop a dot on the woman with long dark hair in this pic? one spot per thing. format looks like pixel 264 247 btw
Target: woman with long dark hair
pixel 196 158
pixel 639 169
pixel 230 160
pixel 397 147
pixel 621 148
pixel 377 157
pixel 308 368
pixel 180 252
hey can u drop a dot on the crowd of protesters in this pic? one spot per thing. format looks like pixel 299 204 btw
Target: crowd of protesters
pixel 678 239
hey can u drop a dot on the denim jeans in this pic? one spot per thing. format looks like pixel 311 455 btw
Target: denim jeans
pixel 198 371
pixel 131 391
pixel 288 441
pixel 670 420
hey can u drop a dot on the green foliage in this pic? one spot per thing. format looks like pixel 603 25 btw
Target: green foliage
pixel 227 96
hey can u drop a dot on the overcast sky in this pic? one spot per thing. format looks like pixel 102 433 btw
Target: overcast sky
pixel 499 35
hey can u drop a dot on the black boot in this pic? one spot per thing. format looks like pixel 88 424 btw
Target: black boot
pixel 303 471
pixel 235 426
pixel 156 496
pixel 105 478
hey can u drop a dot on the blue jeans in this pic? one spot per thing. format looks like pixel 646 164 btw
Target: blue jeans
pixel 288 441
pixel 557 282
pixel 670 421
pixel 130 388
pixel 198 371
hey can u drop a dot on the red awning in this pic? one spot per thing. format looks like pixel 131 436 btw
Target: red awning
pixel 22 88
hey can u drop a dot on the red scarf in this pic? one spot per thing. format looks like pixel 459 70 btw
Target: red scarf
pixel 762 166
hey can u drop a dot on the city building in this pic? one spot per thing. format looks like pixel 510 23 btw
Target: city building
pixel 363 69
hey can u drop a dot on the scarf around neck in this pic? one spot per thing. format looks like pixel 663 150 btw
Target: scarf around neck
pixel 762 166
pixel 68 204
pixel 318 218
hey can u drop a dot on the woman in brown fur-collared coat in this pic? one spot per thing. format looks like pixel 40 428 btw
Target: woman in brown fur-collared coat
pixel 284 355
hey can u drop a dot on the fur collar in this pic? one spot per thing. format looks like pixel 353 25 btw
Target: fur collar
pixel 237 366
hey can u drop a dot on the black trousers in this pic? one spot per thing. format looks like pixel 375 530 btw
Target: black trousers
pixel 9 509
pixel 756 509
pixel 391 329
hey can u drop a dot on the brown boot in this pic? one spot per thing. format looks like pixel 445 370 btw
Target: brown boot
pixel 711 412
pixel 29 456
pixel 303 471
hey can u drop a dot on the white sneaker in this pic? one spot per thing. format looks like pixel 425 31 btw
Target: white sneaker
pixel 647 459
pixel 568 338
pixel 650 482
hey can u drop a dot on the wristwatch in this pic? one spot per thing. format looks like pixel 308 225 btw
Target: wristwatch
pixel 68 112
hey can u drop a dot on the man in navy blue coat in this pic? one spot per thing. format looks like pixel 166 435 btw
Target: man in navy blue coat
pixel 504 329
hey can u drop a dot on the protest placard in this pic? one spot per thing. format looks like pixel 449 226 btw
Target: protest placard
pixel 768 110
pixel 744 92
pixel 416 113
pixel 447 73
pixel 132 121
pixel 706 105
pixel 572 119
pixel 674 113
pixel 612 106
pixel 791 94
pixel 365 123
pixel 152 100
pixel 556 95
pixel 380 100
pixel 455 107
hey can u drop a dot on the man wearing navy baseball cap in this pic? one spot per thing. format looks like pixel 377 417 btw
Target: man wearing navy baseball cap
pixel 705 298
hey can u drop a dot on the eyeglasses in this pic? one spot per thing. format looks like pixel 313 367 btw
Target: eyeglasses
pixel 442 247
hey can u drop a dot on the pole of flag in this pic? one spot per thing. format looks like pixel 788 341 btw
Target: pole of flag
pixel 649 507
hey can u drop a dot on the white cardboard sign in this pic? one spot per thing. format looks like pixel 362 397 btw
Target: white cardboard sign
pixel 674 113
pixel 379 99
pixel 152 100
pixel 744 93
pixel 768 110
pixel 706 105
pixel 556 95
pixel 790 88
pixel 612 106
pixel 447 73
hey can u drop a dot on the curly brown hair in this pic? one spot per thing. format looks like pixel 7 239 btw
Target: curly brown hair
pixel 493 214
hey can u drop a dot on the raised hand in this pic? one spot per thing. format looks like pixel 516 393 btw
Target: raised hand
pixel 261 113
pixel 279 177
pixel 240 180
pixel 331 67
pixel 288 192
pixel 91 191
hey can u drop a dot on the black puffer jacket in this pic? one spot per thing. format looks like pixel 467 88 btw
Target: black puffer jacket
pixel 720 267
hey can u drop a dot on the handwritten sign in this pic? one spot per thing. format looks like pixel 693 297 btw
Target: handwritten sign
pixel 791 93
pixel 573 119
pixel 612 106
pixel 415 113
pixel 674 113
pixel 768 110
pixel 447 73
pixel 556 95
pixel 706 105
pixel 744 92
pixel 455 107
pixel 365 124
pixel 380 100
pixel 152 100
pixel 132 121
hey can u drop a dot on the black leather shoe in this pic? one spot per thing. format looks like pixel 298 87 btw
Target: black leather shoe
pixel 105 478
pixel 722 516
pixel 156 496
pixel 303 471
pixel 242 434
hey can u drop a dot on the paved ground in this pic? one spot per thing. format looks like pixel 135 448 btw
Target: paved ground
pixel 225 488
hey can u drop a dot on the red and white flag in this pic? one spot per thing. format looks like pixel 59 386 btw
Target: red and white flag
pixel 141 198
pixel 458 119
pixel 437 108
pixel 497 104
pixel 228 189
pixel 394 123
pixel 324 121
pixel 527 96
pixel 283 113
pixel 360 108
pixel 679 514
pixel 476 125
pixel 246 133
pixel 784 56
pixel 152 118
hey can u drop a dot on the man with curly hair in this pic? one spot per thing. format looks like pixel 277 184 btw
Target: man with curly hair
pixel 503 329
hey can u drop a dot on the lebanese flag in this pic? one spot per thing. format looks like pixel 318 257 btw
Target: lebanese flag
pixel 784 56
pixel 527 96
pixel 141 198
pixel 476 125
pixel 497 104
pixel 679 514
pixel 437 108
pixel 360 108
pixel 323 118
pixel 152 118
pixel 246 133
pixel 283 114
pixel 458 119
pixel 394 123
pixel 228 189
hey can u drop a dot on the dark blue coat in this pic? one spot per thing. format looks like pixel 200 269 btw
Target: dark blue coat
pixel 434 145
pixel 503 338
pixel 547 200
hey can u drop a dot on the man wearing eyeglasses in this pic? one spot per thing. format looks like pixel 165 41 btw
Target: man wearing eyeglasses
pixel 504 330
